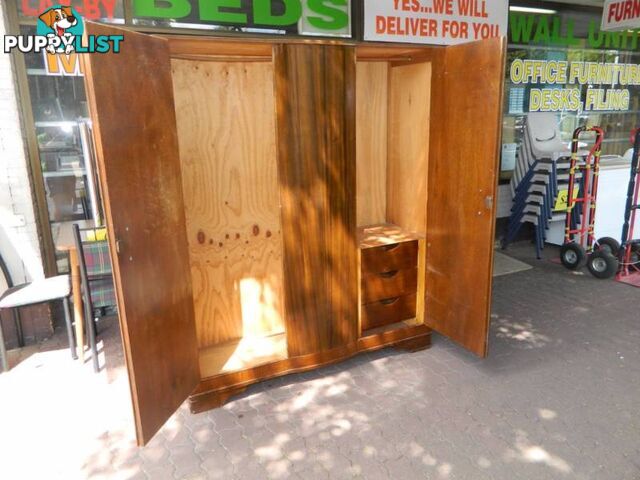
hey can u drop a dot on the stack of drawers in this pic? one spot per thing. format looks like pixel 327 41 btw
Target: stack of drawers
pixel 389 283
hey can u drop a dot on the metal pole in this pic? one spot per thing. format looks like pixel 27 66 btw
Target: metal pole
pixel 87 150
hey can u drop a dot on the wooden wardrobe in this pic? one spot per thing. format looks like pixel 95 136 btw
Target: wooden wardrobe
pixel 278 205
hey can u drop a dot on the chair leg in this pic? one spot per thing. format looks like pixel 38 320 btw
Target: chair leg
pixel 67 321
pixel 18 322
pixel 4 363
pixel 92 342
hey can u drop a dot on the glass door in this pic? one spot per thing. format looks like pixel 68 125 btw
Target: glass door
pixel 65 151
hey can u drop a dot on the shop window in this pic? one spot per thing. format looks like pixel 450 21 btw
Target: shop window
pixel 576 40
pixel 60 115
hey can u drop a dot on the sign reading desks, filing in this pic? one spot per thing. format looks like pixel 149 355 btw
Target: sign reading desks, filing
pixel 438 22
pixel 621 15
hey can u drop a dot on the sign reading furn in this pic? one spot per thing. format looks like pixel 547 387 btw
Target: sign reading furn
pixel 438 22
pixel 621 15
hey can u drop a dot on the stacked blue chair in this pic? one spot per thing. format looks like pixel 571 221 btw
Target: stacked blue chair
pixel 541 175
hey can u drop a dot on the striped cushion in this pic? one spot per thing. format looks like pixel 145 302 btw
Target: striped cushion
pixel 96 257
pixel 102 293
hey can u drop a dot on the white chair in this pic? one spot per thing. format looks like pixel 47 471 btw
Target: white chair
pixel 38 291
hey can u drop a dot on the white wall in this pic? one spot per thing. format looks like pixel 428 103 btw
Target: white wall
pixel 19 243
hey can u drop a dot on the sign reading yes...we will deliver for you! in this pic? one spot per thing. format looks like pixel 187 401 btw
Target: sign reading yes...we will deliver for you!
pixel 438 22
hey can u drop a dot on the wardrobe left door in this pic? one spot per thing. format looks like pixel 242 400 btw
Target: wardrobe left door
pixel 130 97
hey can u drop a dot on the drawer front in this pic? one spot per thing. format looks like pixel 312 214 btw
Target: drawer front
pixel 390 284
pixel 388 311
pixel 397 256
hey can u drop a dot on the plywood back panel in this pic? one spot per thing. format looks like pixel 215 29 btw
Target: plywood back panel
pixel 371 141
pixel 462 184
pixel 315 88
pixel 226 129
pixel 407 164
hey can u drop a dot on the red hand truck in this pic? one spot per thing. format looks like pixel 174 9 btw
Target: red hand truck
pixel 580 245
pixel 629 255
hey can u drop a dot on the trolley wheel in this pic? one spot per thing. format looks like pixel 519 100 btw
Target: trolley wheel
pixel 572 255
pixel 602 265
pixel 609 245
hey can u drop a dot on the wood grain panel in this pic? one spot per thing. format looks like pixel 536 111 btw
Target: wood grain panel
pixel 381 286
pixel 211 390
pixel 315 98
pixel 371 141
pixel 226 130
pixel 390 257
pixel 137 152
pixel 462 183
pixel 409 113
pixel 388 311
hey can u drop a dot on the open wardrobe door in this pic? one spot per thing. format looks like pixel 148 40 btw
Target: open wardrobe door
pixel 130 96
pixel 465 144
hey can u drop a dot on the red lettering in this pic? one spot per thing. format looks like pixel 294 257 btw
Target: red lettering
pixel 110 7
pixel 28 10
pixel 91 9
pixel 443 6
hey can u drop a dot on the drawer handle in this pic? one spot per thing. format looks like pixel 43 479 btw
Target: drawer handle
pixel 393 246
pixel 389 301
pixel 389 274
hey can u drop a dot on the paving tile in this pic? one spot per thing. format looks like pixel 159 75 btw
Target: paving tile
pixel 557 398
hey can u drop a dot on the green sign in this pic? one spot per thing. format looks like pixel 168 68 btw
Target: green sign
pixel 328 17
pixel 556 31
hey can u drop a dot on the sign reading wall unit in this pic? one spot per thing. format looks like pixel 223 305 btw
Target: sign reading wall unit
pixel 437 22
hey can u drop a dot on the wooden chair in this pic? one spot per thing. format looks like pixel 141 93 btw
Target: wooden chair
pixel 39 291
pixel 97 279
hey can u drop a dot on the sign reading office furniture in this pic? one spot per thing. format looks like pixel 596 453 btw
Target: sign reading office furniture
pixel 437 22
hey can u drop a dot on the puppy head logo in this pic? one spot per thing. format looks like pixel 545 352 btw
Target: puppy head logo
pixel 59 19
pixel 61 24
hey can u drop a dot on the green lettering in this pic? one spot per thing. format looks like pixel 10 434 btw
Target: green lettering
pixel 263 15
pixel 333 18
pixel 521 27
pixel 161 8
pixel 542 32
pixel 210 11
pixel 612 40
pixel 595 38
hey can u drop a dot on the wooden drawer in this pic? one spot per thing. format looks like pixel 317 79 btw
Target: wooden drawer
pixel 396 256
pixel 388 311
pixel 390 284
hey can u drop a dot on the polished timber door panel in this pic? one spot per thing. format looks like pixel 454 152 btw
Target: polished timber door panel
pixel 137 151
pixel 315 103
pixel 462 182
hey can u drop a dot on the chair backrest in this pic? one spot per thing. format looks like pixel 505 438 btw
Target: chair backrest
pixel 5 276
pixel 93 250
pixel 544 135
pixel 95 266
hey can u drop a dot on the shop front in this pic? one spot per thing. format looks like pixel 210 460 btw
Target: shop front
pixel 563 71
